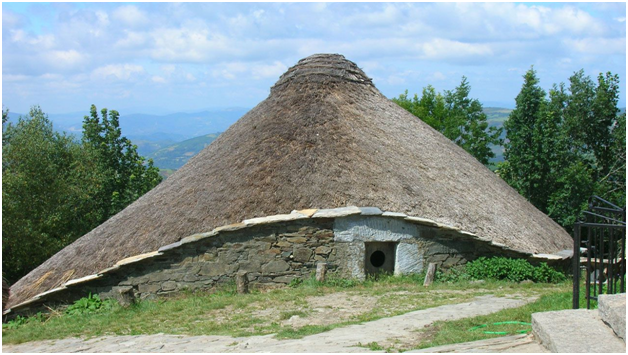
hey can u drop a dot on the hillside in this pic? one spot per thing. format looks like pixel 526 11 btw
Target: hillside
pixel 175 155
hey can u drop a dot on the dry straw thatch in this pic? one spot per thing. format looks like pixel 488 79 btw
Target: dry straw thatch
pixel 324 138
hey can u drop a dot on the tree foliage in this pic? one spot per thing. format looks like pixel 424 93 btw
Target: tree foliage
pixel 55 189
pixel 564 147
pixel 126 174
pixel 457 117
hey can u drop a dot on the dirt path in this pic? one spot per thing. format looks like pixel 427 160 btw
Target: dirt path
pixel 399 332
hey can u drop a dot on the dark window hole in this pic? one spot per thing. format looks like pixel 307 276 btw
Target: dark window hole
pixel 378 258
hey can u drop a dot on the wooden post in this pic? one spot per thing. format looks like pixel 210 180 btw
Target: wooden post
pixel 242 283
pixel 429 277
pixel 321 270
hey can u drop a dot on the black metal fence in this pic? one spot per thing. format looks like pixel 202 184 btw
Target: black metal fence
pixel 600 249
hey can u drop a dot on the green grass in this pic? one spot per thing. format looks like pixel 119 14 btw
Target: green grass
pixel 466 330
pixel 226 313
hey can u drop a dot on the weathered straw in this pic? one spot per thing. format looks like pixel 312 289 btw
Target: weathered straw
pixel 324 138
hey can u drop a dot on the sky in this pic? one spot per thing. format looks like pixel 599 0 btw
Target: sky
pixel 161 58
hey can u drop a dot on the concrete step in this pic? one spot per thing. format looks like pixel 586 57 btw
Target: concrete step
pixel 575 331
pixel 612 309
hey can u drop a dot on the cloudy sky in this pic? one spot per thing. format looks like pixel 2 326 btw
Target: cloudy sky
pixel 184 57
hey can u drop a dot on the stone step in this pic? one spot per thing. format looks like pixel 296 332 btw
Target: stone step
pixel 575 331
pixel 612 309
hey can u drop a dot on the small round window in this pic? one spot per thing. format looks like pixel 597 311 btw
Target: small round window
pixel 378 258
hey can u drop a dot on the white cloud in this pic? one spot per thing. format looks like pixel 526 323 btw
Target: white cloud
pixel 598 46
pixel 274 70
pixel 440 48
pixel 118 71
pixel 158 79
pixel 130 15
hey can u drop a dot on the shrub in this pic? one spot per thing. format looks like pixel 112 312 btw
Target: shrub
pixel 89 304
pixel 501 268
pixel 544 273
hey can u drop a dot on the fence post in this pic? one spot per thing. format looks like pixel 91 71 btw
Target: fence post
pixel 575 260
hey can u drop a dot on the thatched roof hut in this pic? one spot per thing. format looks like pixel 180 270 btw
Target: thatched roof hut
pixel 324 138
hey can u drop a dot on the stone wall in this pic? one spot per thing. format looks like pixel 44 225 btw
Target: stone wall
pixel 271 256
pixel 273 251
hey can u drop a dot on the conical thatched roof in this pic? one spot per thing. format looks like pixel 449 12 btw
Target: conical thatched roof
pixel 324 138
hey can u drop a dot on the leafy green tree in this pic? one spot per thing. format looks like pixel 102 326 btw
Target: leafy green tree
pixel 467 124
pixel 522 171
pixel 562 150
pixel 55 189
pixel 41 200
pixel 127 175
pixel 457 117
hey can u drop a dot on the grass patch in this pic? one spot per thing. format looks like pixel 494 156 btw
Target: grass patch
pixel 259 313
pixel 471 329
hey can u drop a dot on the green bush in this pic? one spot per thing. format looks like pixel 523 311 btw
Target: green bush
pixel 544 273
pixel 501 268
pixel 89 304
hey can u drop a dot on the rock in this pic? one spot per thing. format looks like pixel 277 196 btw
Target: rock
pixel 612 309
pixel 394 214
pixel 169 286
pixel 323 250
pixel 276 218
pixel 336 212
pixel 370 211
pixel 302 254
pixel 297 240
pixel 124 295
pixel 275 266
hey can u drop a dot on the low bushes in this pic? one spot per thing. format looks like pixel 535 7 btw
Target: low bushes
pixel 501 268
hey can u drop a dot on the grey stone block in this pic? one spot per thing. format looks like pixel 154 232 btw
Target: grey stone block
pixel 575 331
pixel 275 266
pixel 370 211
pixel 612 309
pixel 302 254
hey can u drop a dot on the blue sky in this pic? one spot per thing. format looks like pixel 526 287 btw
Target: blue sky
pixel 185 57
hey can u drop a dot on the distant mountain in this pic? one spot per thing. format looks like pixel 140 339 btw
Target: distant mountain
pixel 165 129
pixel 175 155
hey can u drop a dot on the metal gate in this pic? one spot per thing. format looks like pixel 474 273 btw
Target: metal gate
pixel 600 249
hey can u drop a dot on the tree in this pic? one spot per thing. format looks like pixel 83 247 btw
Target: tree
pixel 457 117
pixel 467 124
pixel 562 150
pixel 40 200
pixel 127 175
pixel 522 171
pixel 55 189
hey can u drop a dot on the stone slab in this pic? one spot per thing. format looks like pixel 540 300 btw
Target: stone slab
pixel 575 331
pixel 394 214
pixel 136 258
pixel 109 269
pixel 547 256
pixel 274 219
pixel 612 309
pixel 370 211
pixel 423 221
pixel 409 259
pixel 170 246
pixel 308 212
pixel 521 343
pixel 54 290
pixel 230 227
pixel 373 229
pixel 336 212
pixel 83 279
pixel 447 227
pixel 196 237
